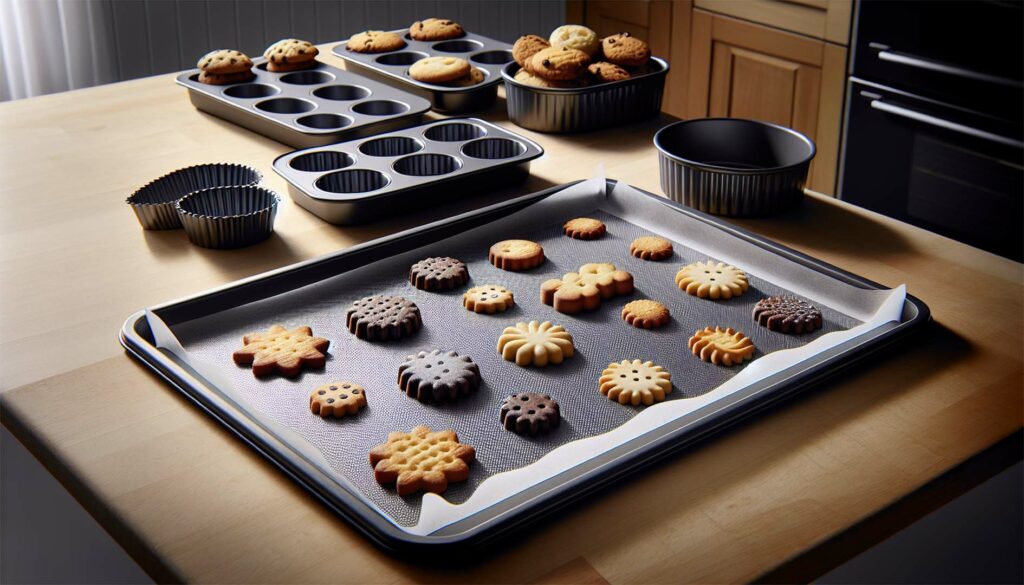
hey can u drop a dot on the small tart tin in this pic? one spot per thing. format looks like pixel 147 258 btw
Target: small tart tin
pixel 228 217
pixel 154 204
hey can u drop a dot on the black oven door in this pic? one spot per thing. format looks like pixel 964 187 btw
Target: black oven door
pixel 953 171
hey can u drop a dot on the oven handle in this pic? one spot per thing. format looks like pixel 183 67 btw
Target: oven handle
pixel 902 112
pixel 911 61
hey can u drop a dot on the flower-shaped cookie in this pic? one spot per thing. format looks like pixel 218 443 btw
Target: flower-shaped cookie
pixel 584 290
pixel 421 460
pixel 712 280
pixel 337 399
pixel 635 382
pixel 282 351
pixel 719 346
pixel 488 298
pixel 535 344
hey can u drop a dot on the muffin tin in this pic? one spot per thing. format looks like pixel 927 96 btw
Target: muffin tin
pixel 356 181
pixel 484 53
pixel 307 108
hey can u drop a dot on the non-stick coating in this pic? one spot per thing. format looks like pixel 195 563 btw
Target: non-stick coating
pixel 735 144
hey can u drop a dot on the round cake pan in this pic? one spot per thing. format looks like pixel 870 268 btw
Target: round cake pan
pixel 733 167
pixel 228 217
pixel 154 204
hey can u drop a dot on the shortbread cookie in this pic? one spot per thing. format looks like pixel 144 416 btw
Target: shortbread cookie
pixel 383 318
pixel 584 228
pixel 225 78
pixel 645 314
pixel 440 273
pixel 584 290
pixel 438 376
pixel 439 69
pixel 337 399
pixel 722 347
pixel 281 351
pixel 787 315
pixel 375 41
pixel 421 460
pixel 576 37
pixel 525 77
pixel 474 77
pixel 635 382
pixel 488 298
pixel 516 255
pixel 651 248
pixel 558 63
pixel 711 280
pixel 435 29
pixel 604 72
pixel 290 55
pixel 224 61
pixel 624 50
pixel 527 46
pixel 530 413
pixel 536 344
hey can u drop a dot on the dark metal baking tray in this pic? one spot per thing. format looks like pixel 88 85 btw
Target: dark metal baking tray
pixel 360 180
pixel 484 53
pixel 309 107
pixel 372 266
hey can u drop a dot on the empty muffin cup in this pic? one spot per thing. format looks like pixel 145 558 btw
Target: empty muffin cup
pixel 353 181
pixel 285 105
pixel 401 59
pixel 324 121
pixel 455 132
pixel 458 46
pixel 492 57
pixel 307 77
pixel 380 108
pixel 322 161
pixel 493 148
pixel 228 217
pixel 250 91
pixel 341 93
pixel 154 204
pixel 427 165
pixel 391 146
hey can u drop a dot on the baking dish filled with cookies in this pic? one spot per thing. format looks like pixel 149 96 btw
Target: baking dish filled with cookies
pixel 317 105
pixel 362 180
pixel 445 385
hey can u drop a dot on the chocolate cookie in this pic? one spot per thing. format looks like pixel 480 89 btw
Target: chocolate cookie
pixel 381 317
pixel 787 315
pixel 530 413
pixel 440 273
pixel 438 376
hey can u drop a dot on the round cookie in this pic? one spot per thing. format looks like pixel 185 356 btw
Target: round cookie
pixel 584 228
pixel 576 37
pixel 488 298
pixel 474 77
pixel 526 78
pixel 558 63
pixel 225 78
pixel 651 248
pixel 383 318
pixel 516 255
pixel 787 315
pixel 635 382
pixel 605 72
pixel 435 29
pixel 723 347
pixel 224 61
pixel 438 376
pixel 530 413
pixel 439 273
pixel 290 55
pixel 536 344
pixel 624 50
pixel 375 41
pixel 337 399
pixel 527 46
pixel 711 280
pixel 645 314
pixel 439 69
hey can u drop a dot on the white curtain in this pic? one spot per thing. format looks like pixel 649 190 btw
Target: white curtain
pixel 54 45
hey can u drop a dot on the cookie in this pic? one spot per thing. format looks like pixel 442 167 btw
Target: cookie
pixel 383 318
pixel 226 78
pixel 535 344
pixel 724 347
pixel 516 255
pixel 624 50
pixel 224 61
pixel 290 55
pixel 278 350
pixel 645 314
pixel 530 413
pixel 439 69
pixel 337 399
pixel 438 376
pixel 558 63
pixel 527 46
pixel 375 41
pixel 526 78
pixel 488 298
pixel 474 77
pixel 576 37
pixel 635 382
pixel 440 273
pixel 421 460
pixel 605 72
pixel 787 315
pixel 435 29
pixel 710 280
pixel 651 248
pixel 584 290
pixel 584 228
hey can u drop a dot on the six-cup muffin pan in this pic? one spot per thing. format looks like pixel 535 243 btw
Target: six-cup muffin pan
pixel 310 107
pixel 486 54
pixel 360 180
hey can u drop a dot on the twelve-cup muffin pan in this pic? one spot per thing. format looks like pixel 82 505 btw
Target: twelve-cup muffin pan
pixel 486 54
pixel 359 180
pixel 310 107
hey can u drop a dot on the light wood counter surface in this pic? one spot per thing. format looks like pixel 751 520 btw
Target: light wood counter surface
pixel 191 502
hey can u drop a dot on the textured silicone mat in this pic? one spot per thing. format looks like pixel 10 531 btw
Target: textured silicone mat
pixel 601 337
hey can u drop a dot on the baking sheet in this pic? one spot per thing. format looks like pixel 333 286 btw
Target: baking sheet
pixel 508 463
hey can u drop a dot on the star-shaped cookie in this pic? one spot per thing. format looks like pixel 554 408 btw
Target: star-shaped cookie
pixel 278 350
pixel 584 290
pixel 421 460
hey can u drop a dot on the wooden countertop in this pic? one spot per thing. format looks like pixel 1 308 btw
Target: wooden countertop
pixel 191 502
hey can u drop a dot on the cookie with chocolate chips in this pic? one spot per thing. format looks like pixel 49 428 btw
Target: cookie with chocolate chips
pixel 383 318
pixel 438 376
pixel 530 413
pixel 439 273
pixel 435 29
